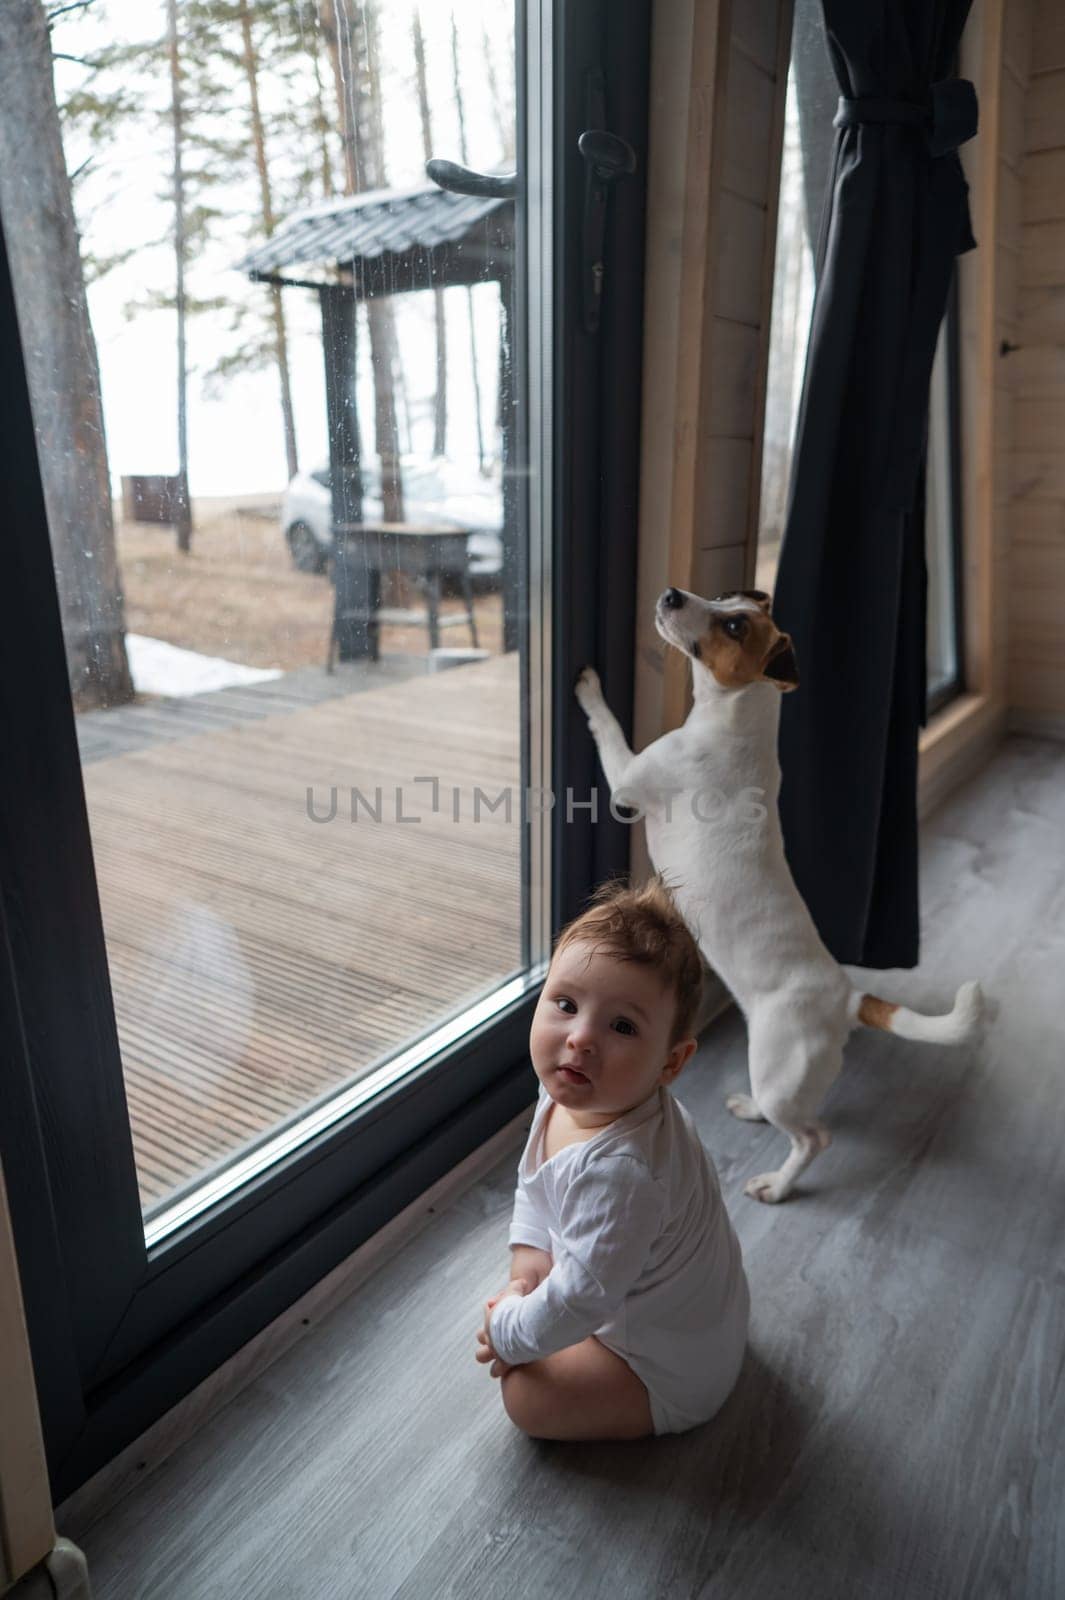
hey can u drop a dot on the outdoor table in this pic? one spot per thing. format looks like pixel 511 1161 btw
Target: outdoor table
pixel 420 551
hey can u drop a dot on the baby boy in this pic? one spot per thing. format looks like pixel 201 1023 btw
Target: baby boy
pixel 626 1313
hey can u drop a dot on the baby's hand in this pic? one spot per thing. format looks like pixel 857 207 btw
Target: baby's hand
pixel 499 1367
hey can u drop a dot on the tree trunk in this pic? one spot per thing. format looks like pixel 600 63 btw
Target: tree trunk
pixel 184 507
pixel 353 53
pixel 266 201
pixel 61 363
pixel 469 291
pixel 321 121
pixel 440 398
pixel 503 114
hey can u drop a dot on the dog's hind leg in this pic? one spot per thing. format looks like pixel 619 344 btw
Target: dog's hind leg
pixel 807 1142
pixel 790 1076
pixel 744 1106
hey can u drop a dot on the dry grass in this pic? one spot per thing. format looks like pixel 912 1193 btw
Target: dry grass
pixel 237 594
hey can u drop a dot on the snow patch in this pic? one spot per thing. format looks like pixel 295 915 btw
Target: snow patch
pixel 161 668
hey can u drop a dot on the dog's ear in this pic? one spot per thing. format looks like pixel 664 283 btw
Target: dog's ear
pixel 759 596
pixel 781 667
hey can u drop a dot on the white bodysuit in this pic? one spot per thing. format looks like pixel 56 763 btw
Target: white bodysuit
pixel 645 1258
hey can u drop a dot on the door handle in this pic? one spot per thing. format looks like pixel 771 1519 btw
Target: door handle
pixel 463 180
pixel 607 157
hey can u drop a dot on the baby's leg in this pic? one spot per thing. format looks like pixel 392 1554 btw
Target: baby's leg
pixel 583 1392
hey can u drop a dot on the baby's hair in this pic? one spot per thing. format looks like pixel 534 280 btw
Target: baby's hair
pixel 643 925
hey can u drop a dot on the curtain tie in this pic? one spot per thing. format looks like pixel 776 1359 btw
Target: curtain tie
pixel 948 116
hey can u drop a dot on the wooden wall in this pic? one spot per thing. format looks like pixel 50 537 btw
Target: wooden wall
pixel 1033 244
pixel 27 1533
pixel 718 80
pixel 718 75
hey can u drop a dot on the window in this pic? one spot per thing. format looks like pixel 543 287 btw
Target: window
pixel 268 1017
pixel 805 164
pixel 943 548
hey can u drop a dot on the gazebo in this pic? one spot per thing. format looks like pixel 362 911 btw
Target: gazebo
pixel 387 242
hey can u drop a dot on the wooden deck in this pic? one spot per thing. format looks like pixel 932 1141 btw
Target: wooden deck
pixel 259 959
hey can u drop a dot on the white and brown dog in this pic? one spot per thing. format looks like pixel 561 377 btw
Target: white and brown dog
pixel 709 793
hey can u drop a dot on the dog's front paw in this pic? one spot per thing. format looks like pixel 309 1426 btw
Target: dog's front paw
pixel 589 691
pixel 766 1187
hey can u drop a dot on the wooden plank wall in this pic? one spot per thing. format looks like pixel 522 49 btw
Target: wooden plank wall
pixel 960 737
pixel 27 1533
pixel 1033 247
pixel 718 82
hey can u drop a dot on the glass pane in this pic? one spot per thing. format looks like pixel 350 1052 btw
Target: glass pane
pixel 939 530
pixel 805 160
pixel 290 540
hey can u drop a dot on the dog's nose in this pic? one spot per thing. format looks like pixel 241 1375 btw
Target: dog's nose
pixel 672 600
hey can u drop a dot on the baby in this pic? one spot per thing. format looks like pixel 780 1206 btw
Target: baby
pixel 626 1313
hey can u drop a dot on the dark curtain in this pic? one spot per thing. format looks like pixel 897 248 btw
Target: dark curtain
pixel 851 583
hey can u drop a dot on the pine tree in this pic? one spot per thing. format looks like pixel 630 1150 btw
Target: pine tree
pixel 460 108
pixel 231 188
pixel 61 362
pixel 352 45
pixel 439 310
pixel 183 509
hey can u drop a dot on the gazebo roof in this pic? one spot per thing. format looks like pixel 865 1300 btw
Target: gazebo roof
pixel 389 240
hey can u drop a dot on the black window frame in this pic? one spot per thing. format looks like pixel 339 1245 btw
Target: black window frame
pixel 119 1337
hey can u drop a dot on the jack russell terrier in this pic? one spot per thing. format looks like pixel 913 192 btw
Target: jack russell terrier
pixel 722 854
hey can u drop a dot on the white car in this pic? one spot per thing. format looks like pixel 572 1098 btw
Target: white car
pixel 433 492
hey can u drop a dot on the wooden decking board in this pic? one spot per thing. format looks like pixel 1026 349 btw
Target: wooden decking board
pixel 170 1154
pixel 287 791
pixel 198 1100
pixel 351 721
pixel 224 849
pixel 252 1076
pixel 162 1161
pixel 351 969
pixel 205 1076
pixel 434 881
pixel 126 728
pixel 338 1007
pixel 254 954
pixel 339 999
pixel 307 768
pixel 182 1139
pixel 265 1074
pixel 200 1026
pixel 310 928
pixel 165 1159
pixel 349 898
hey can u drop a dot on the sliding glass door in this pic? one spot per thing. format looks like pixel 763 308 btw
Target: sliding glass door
pixel 296 662
pixel 305 463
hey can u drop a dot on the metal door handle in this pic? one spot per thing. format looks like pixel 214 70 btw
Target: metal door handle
pixel 607 157
pixel 463 180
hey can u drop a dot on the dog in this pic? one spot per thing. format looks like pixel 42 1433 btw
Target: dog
pixel 708 792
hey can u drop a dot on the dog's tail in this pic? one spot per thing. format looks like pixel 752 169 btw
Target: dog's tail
pixel 951 1028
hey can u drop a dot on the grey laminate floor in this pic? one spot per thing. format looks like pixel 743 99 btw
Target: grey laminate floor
pixel 899 1428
